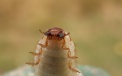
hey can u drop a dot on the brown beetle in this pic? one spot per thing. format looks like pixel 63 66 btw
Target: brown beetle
pixel 55 54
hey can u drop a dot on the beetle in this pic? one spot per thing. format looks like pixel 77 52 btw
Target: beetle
pixel 55 54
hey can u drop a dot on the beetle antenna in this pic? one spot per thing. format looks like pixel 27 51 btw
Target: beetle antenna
pixel 67 33
pixel 42 32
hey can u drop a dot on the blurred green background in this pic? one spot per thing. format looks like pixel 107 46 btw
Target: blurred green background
pixel 94 25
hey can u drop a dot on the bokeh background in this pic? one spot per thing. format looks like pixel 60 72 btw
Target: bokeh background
pixel 94 25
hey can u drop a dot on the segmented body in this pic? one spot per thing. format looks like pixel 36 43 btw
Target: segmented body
pixel 55 59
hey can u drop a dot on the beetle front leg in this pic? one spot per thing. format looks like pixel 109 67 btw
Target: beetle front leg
pixel 69 54
pixel 70 67
pixel 44 45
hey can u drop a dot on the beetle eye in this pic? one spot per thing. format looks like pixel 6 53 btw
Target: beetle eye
pixel 61 35
pixel 47 33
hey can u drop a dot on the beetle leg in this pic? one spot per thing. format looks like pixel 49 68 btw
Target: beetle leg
pixel 69 54
pixel 32 63
pixel 70 67
pixel 40 52
pixel 44 45
pixel 63 43
pixel 37 54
